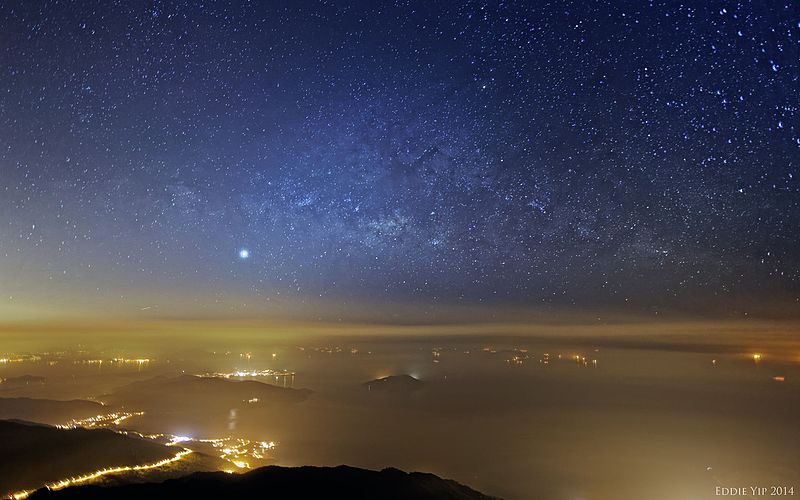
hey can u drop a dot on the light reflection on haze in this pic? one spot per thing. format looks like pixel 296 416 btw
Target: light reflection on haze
pixel 611 418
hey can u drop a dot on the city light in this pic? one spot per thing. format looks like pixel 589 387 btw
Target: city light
pixel 105 420
pixel 238 451
pixel 250 373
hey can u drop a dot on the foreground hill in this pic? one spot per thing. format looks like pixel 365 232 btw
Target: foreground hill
pixel 301 483
pixel 48 411
pixel 32 455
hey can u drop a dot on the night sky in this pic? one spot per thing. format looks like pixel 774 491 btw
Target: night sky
pixel 626 155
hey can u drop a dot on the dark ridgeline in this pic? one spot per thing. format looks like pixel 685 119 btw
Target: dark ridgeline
pixel 273 482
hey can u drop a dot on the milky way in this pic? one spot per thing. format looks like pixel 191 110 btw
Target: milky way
pixel 588 153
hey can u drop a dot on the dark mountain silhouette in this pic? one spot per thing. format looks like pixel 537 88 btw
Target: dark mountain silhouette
pixel 188 390
pixel 32 455
pixel 281 483
pixel 395 384
pixel 49 411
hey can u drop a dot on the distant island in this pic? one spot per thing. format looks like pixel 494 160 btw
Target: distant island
pixel 48 411
pixel 197 392
pixel 21 381
pixel 395 384
pixel 298 483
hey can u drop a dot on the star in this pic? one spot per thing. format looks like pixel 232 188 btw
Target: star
pixel 414 176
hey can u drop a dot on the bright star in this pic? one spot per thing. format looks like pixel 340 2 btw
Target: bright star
pixel 244 253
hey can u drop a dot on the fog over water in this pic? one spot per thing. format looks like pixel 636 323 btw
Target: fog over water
pixel 517 418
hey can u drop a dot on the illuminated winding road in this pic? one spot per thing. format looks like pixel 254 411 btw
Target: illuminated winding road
pixel 111 470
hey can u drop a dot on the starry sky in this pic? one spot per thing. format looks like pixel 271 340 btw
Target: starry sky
pixel 632 155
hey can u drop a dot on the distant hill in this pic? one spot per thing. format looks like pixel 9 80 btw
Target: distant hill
pixel 32 455
pixel 21 381
pixel 48 411
pixel 395 384
pixel 185 391
pixel 301 483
